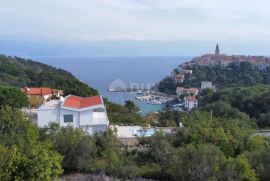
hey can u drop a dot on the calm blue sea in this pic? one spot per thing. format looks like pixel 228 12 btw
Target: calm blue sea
pixel 100 72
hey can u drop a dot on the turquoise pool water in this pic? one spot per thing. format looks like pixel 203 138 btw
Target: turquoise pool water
pixel 144 132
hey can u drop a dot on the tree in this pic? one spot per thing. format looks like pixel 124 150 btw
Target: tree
pixel 222 132
pixel 25 158
pixel 84 153
pixel 162 152
pixel 225 110
pixel 38 162
pixel 168 118
pixel 12 96
pixel 64 140
pixel 197 163
pixel 119 114
pixel 15 128
pixel 130 105
pixel 260 161
pixel 109 151
pixel 239 168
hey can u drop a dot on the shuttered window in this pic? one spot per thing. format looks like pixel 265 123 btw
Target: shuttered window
pixel 68 118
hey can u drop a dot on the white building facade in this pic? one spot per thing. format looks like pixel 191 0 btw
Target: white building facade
pixel 88 114
pixel 206 85
pixel 191 102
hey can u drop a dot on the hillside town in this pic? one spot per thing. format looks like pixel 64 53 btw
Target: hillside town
pixel 224 60
pixel 210 60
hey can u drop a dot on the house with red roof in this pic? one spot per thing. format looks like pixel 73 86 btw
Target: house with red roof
pixel 191 102
pixel 87 113
pixel 38 95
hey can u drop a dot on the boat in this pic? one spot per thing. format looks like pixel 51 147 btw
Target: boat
pixel 155 102
pixel 139 92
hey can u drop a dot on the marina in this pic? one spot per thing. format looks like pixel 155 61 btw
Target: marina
pixel 154 98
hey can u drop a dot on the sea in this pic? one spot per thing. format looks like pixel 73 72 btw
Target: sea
pixel 101 72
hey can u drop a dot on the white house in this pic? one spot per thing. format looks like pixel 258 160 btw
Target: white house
pixel 206 85
pixel 190 102
pixel 86 113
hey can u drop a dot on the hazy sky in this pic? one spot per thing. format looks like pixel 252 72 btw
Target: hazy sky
pixel 87 23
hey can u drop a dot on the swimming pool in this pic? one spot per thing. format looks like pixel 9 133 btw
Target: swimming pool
pixel 144 132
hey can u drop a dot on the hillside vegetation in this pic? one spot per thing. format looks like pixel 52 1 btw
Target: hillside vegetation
pixel 218 146
pixel 244 74
pixel 239 102
pixel 20 72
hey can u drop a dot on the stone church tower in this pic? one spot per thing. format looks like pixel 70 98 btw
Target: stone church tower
pixel 217 50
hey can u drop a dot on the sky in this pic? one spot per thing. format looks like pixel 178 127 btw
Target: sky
pixel 133 27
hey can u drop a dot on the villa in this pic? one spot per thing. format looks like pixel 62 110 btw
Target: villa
pixel 86 113
pixel 39 95
pixel 191 102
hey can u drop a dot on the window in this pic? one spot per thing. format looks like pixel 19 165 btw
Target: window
pixel 68 118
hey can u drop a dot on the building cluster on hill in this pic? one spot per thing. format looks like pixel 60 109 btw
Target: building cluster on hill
pixel 223 60
pixel 178 75
pixel 216 59
pixel 190 94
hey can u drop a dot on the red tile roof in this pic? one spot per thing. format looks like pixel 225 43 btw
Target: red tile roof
pixel 80 102
pixel 37 91
pixel 191 98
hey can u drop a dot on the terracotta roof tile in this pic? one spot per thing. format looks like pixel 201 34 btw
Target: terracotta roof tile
pixel 80 102
pixel 37 91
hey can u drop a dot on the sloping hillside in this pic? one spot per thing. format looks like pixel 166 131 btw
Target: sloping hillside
pixel 20 72
pixel 244 74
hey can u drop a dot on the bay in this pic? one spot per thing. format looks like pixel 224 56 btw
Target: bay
pixel 100 72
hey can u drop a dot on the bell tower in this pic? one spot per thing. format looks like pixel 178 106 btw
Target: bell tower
pixel 217 50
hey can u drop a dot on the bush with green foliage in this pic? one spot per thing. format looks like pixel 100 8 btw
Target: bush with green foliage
pixel 23 156
pixel 119 114
pixel 198 163
pixel 12 96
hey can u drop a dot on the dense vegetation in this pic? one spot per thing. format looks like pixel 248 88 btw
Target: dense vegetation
pixel 204 149
pixel 126 115
pixel 19 72
pixel 22 155
pixel 242 102
pixel 12 96
pixel 215 143
pixel 244 74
